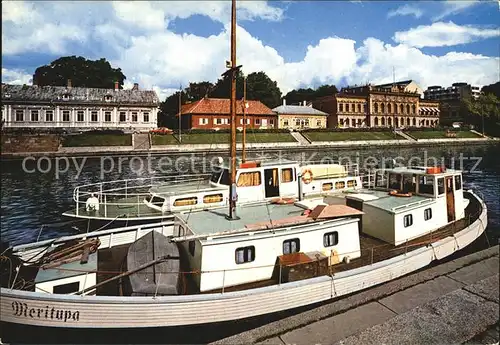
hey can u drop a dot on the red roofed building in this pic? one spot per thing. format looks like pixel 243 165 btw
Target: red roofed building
pixel 213 113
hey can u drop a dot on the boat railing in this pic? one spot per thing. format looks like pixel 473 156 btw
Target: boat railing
pixel 128 191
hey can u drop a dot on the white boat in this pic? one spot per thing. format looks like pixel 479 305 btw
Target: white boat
pixel 202 268
pixel 143 200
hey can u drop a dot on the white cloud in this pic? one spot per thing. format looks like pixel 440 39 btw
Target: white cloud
pixel 159 59
pixel 406 10
pixel 443 34
pixel 453 7
pixel 16 77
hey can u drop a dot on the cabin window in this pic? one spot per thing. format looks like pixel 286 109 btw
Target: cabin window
pixel 340 185
pixel 330 239
pixel 458 182
pixel 427 213
pixel 381 180
pixel 408 220
pixel 426 185
pixel 245 254
pixel 440 185
pixel 352 183
pixel 209 199
pixel 186 201
pixel 287 175
pixel 67 288
pixel 157 201
pixel 291 246
pixel 249 179
pixel 224 179
pixel 395 181
pixel 327 186
pixel 409 183
pixel 215 176
pixel 192 247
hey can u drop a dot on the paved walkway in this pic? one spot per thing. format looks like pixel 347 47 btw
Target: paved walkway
pixel 450 303
pixel 141 141
pixel 300 138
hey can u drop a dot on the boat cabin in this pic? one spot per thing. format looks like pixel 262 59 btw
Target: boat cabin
pixel 247 250
pixel 255 181
pixel 408 202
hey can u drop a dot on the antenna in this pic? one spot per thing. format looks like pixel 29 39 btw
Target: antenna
pixel 393 75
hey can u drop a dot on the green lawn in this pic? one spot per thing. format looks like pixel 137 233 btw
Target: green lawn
pixel 441 134
pixel 351 136
pixel 97 140
pixel 164 139
pixel 223 138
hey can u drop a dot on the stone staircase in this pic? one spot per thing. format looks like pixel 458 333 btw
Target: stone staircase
pixel 300 138
pixel 141 141
pixel 15 143
pixel 404 135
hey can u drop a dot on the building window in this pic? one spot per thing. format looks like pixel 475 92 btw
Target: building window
pixel 134 116
pixel 49 115
pixel 249 179
pixel 80 116
pixel 458 182
pixel 395 108
pixel 341 107
pixel 291 246
pixel 389 108
pixel 245 254
pixel 65 114
pixel 408 220
pixel 107 98
pixel 359 108
pixel 427 213
pixel 202 121
pixel 94 116
pixel 318 123
pixel 107 116
pixel 123 116
pixel 407 108
pixel 286 175
pixel 401 109
pixel 34 115
pixel 330 239
pixel 65 96
pixel 19 115
pixel 146 117
pixel 285 123
pixel 413 109
pixel 271 122
pixel 257 121
pixel 383 107
pixel 376 107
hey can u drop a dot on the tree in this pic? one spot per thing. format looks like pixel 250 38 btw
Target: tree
pixel 82 72
pixel 222 89
pixel 196 91
pixel 483 113
pixel 493 89
pixel 261 88
pixel 300 95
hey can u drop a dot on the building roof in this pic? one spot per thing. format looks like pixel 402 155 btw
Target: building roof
pixel 298 110
pixel 400 83
pixel 218 106
pixel 63 94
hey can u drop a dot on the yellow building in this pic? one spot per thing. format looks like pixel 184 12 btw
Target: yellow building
pixel 388 105
pixel 300 116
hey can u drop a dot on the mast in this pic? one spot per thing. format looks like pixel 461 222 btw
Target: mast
pixel 233 70
pixel 180 110
pixel 243 140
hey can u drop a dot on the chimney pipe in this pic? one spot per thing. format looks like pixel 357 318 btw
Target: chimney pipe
pixel 284 101
pixel 136 86
pixel 69 84
pixel 117 86
pixel 34 80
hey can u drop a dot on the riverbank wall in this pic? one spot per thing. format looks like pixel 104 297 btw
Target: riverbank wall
pixel 38 150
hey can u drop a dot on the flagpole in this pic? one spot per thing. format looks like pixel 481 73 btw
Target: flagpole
pixel 180 123
pixel 243 153
pixel 232 192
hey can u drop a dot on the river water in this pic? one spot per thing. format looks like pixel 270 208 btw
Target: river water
pixel 36 192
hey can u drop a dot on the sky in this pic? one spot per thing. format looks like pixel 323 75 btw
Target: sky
pixel 167 44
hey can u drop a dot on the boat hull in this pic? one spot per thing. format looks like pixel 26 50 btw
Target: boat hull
pixel 69 311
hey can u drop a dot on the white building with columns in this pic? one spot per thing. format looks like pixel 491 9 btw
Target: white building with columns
pixel 78 108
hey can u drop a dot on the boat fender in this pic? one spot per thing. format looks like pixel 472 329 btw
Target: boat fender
pixel 92 203
pixel 283 201
pixel 307 176
pixel 347 259
pixel 400 193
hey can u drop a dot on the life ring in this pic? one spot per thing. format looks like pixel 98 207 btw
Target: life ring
pixel 400 194
pixel 283 201
pixel 307 176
